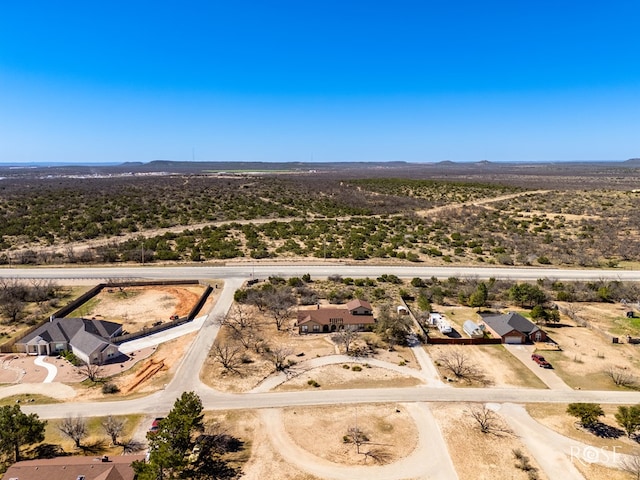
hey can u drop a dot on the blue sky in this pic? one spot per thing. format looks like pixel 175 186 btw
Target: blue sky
pixel 421 81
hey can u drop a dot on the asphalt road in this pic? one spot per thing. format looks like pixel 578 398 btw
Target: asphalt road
pixel 187 375
pixel 231 271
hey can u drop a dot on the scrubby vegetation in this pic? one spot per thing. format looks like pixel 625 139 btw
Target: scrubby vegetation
pixel 203 218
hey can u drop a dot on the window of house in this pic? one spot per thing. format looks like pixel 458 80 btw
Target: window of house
pixel 316 328
pixel 304 328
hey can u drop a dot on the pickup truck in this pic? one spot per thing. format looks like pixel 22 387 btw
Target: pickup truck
pixel 539 359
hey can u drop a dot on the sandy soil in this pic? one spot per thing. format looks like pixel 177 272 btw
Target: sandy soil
pixel 597 472
pixel 500 368
pixel 251 373
pixel 338 377
pixel 610 317
pixel 137 307
pixel 556 418
pixel 20 368
pixel 476 455
pixel 586 356
pixel 132 373
pixel 388 427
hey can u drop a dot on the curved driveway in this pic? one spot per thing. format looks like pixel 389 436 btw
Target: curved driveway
pixel 52 370
pixel 187 374
pixel 430 459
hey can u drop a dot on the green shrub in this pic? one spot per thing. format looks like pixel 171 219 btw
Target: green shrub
pixel 109 387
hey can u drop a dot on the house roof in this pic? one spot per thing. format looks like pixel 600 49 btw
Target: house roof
pixel 342 313
pixel 357 303
pixel 71 468
pixel 84 334
pixel 503 324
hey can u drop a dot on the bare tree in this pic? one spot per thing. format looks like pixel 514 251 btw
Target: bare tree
pixel 12 308
pixel 460 365
pixel 43 289
pixel 257 298
pixel 113 427
pixel 622 377
pixel 346 338
pixel 229 356
pixel 75 428
pixel 259 344
pixel 241 323
pixel 572 309
pixel 488 420
pixel 356 436
pixel 631 464
pixel 278 356
pixel 278 305
pixel 93 371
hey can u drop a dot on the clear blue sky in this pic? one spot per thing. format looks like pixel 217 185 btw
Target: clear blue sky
pixel 420 81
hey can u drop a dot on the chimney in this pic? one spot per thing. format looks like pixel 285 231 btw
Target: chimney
pixel 105 458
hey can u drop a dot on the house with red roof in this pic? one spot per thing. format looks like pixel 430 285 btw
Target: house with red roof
pixel 75 468
pixel 356 315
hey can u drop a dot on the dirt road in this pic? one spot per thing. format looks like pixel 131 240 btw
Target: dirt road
pixel 430 459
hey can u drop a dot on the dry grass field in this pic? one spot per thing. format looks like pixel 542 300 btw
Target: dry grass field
pixel 477 455
pixel 555 417
pixel 139 307
pixel 499 367
pixel 255 368
pixel 586 356
pixel 34 312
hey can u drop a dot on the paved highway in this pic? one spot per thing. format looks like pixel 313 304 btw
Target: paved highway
pixel 261 270
pixel 187 378
pixel 187 373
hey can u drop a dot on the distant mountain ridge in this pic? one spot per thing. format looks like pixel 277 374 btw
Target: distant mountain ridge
pixel 350 169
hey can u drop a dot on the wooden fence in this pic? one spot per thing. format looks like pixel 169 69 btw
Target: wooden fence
pixel 8 347
pixel 463 341
pixel 586 323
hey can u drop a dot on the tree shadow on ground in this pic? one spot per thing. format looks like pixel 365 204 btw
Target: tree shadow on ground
pixel 603 430
pixel 96 448
pixel 132 446
pixel 48 450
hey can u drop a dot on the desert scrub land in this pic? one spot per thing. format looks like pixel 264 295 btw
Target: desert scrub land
pixel 503 216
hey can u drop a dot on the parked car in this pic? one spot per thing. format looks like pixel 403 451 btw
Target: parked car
pixel 155 425
pixel 540 360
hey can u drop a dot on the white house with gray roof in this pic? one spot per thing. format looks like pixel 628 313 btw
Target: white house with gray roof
pixel 89 340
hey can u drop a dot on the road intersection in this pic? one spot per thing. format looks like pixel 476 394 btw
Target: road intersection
pixel 187 373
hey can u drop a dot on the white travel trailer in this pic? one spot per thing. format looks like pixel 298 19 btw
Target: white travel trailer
pixel 434 318
pixel 444 326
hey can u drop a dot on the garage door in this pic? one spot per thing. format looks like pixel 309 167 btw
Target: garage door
pixel 513 339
